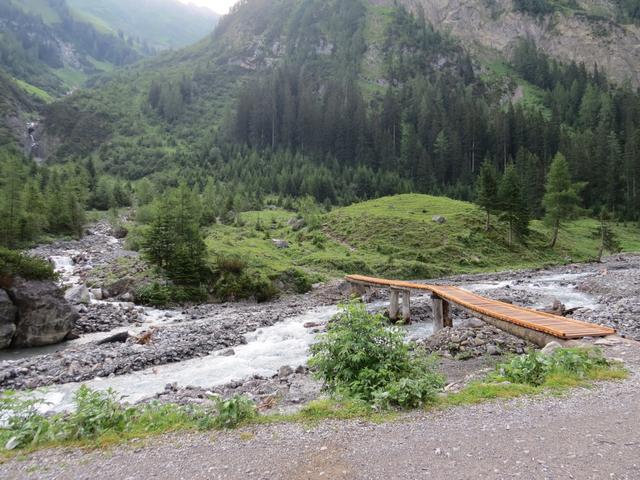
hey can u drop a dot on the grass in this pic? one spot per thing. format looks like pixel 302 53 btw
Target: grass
pixel 396 237
pixel 35 91
pixel 533 96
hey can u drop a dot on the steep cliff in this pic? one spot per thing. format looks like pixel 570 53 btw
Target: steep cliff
pixel 588 32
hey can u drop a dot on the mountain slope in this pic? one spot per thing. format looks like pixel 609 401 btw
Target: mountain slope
pixel 583 31
pixel 160 24
pixel 45 45
pixel 352 99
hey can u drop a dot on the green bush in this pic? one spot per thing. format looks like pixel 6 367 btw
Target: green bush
pixel 159 295
pixel 535 367
pixel 233 411
pixel 246 285
pixel 363 358
pixel 295 280
pixel 101 415
pixel 14 263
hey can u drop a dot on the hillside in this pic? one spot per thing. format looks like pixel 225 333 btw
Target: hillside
pixel 396 237
pixel 46 45
pixel 159 24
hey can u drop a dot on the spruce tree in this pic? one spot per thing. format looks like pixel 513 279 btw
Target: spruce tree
pixel 487 190
pixel 561 199
pixel 512 204
pixel 608 239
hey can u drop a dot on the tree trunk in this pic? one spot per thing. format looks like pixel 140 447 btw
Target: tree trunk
pixel 556 228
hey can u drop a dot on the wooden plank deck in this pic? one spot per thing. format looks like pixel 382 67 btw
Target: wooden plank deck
pixel 555 325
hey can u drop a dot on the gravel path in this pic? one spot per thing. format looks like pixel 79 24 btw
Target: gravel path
pixel 588 434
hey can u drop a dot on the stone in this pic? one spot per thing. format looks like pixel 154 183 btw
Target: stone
pixel 44 316
pixel 229 352
pixel 439 219
pixel 7 319
pixel 127 297
pixel 550 347
pixel 285 371
pixel 97 293
pixel 280 243
pixel 492 350
pixel 78 295
pixel 117 338
pixel 296 224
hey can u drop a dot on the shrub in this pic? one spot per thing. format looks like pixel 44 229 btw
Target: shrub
pixel 231 264
pixel 362 357
pixel 233 411
pixel 535 367
pixel 14 263
pixel 158 295
pixel 244 286
pixel 101 415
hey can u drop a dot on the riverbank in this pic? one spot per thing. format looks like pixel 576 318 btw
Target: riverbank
pixel 587 433
pixel 182 355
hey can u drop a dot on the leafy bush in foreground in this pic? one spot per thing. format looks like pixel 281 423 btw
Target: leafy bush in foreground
pixel 535 367
pixel 101 414
pixel 362 357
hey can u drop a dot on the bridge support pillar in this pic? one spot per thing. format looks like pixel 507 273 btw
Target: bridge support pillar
pixel 394 304
pixel 394 298
pixel 441 316
pixel 406 306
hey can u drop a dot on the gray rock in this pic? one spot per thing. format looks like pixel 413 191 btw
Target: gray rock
pixel 439 219
pixel 7 319
pixel 97 293
pixel 44 316
pixel 285 371
pixel 296 224
pixel 78 295
pixel 280 243
pixel 550 348
pixel 127 297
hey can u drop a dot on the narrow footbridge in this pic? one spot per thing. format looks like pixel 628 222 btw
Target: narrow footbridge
pixel 535 326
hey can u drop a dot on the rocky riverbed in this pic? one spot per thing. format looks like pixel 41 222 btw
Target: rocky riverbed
pixel 186 354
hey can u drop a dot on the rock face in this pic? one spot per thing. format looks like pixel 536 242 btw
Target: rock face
pixel 43 315
pixel 7 319
pixel 572 35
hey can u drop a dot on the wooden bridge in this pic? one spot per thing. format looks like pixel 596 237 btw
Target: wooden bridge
pixel 535 326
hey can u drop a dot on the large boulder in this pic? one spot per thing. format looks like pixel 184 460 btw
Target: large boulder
pixel 44 316
pixel 7 319
pixel 78 294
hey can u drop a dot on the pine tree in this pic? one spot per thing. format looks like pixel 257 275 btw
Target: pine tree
pixel 487 190
pixel 174 242
pixel 512 204
pixel 608 239
pixel 561 199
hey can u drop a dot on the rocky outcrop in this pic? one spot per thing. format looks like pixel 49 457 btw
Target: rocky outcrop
pixel 7 319
pixel 34 313
pixel 582 35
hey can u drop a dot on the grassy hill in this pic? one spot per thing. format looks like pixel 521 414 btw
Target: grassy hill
pixel 397 237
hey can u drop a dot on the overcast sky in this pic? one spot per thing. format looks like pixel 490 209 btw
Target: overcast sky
pixel 219 6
